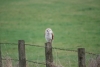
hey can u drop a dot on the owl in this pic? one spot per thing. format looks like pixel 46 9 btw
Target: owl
pixel 49 35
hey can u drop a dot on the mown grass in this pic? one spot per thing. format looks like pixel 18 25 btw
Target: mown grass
pixel 75 24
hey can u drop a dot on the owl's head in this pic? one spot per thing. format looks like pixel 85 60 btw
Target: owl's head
pixel 48 30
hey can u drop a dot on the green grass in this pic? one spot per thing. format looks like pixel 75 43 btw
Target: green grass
pixel 74 23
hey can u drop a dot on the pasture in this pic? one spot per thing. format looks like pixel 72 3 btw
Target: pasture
pixel 75 23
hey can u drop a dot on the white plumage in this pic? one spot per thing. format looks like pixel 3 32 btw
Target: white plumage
pixel 49 35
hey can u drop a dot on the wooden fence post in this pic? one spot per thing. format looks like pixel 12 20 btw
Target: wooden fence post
pixel 0 57
pixel 81 57
pixel 21 50
pixel 98 61
pixel 48 54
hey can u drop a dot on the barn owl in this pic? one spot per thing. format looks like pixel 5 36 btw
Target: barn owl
pixel 49 35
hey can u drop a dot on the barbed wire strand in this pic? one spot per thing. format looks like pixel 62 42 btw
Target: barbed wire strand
pixel 10 43
pixel 61 49
pixel 53 48
pixel 28 61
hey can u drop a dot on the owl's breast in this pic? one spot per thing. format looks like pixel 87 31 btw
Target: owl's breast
pixel 49 36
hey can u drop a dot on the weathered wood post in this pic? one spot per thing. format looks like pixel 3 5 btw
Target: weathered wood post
pixel 81 57
pixel 48 54
pixel 21 50
pixel 0 57
pixel 98 61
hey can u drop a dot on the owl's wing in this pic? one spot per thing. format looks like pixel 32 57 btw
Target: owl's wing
pixel 52 36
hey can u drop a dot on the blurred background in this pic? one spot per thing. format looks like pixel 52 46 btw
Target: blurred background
pixel 75 23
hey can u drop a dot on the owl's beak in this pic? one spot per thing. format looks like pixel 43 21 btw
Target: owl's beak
pixel 47 31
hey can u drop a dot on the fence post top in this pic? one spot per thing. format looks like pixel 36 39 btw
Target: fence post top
pixel 48 43
pixel 20 40
pixel 81 48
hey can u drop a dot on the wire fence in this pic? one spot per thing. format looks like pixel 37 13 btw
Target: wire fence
pixel 55 50
pixel 52 48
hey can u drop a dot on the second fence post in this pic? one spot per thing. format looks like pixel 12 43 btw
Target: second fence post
pixel 48 54
pixel 81 57
pixel 21 50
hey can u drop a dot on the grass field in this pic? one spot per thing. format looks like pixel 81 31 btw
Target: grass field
pixel 76 23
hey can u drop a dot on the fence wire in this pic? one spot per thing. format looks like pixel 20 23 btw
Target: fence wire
pixel 27 61
pixel 52 48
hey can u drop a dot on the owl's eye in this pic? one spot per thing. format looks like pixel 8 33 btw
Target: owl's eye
pixel 47 31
